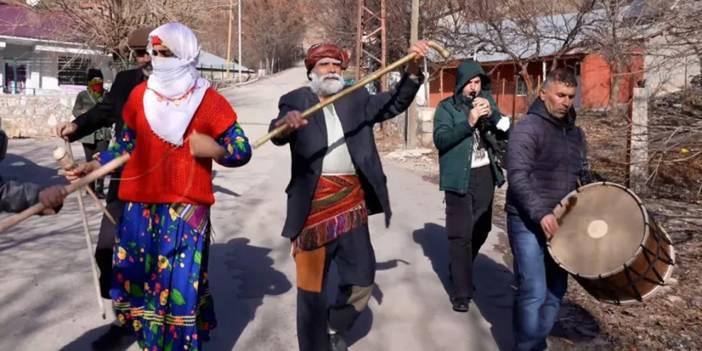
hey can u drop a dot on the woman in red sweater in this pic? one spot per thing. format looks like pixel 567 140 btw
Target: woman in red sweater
pixel 175 125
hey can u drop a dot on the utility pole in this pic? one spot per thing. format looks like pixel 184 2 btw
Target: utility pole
pixel 412 113
pixel 371 41
pixel 229 36
pixel 239 30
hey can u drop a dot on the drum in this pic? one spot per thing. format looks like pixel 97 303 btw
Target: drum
pixel 608 242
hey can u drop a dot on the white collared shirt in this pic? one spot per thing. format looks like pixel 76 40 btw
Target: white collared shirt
pixel 338 160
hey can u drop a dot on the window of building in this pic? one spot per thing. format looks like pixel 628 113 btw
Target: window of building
pixel 73 70
pixel 521 86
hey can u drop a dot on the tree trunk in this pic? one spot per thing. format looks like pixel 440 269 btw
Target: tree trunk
pixel 531 92
pixel 618 109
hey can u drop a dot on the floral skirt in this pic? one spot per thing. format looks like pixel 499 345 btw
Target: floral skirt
pixel 159 282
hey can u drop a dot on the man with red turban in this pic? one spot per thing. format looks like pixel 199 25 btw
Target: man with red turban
pixel 337 180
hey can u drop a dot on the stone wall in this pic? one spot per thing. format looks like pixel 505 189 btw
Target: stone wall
pixel 34 116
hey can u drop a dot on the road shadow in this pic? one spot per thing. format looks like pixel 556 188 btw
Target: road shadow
pixel 362 326
pixel 241 276
pixel 22 169
pixel 433 240
pixel 83 342
pixel 576 326
pixel 493 295
pixel 219 189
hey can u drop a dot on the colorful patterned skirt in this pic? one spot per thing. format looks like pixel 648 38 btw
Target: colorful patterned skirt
pixel 159 282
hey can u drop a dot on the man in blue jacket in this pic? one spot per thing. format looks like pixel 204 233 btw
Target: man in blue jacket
pixel 545 157
pixel 465 127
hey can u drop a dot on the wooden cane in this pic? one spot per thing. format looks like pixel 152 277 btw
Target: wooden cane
pixel 369 78
pixel 65 159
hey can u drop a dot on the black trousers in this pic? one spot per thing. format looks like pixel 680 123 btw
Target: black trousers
pixel 468 222
pixel 90 151
pixel 105 244
pixel 355 262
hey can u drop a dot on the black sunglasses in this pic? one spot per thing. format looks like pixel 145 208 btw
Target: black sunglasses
pixel 162 53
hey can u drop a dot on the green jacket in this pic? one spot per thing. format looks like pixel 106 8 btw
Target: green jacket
pixel 84 102
pixel 453 136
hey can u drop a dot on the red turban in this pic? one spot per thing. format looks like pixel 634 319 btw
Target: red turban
pixel 319 51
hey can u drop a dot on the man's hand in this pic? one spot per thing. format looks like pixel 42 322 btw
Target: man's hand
pixel 64 130
pixel 292 121
pixel 420 48
pixel 481 108
pixel 476 113
pixel 549 224
pixel 482 102
pixel 52 197
pixel 203 146
pixel 80 170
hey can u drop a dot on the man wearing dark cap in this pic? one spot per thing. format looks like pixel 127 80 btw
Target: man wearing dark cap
pixel 337 180
pixel 106 113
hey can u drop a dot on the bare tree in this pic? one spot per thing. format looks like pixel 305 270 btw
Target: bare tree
pixel 523 30
pixel 686 28
pixel 337 21
pixel 273 32
pixel 106 23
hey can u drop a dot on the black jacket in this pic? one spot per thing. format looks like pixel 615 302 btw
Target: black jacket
pixel 358 112
pixel 545 157
pixel 109 112
pixel 16 197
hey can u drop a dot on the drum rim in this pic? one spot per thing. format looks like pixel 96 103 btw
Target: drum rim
pixel 647 232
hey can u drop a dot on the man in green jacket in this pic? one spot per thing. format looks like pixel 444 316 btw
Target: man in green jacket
pixel 465 129
pixel 99 140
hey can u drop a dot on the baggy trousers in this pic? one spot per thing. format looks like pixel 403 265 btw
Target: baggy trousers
pixel 355 261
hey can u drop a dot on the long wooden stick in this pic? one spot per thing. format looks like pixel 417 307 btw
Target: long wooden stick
pixel 369 78
pixel 64 156
pixel 38 208
pixel 102 207
pixel 88 241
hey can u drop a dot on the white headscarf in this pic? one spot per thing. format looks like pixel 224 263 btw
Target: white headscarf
pixel 175 88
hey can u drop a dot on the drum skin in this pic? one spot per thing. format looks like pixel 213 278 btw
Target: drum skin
pixel 607 240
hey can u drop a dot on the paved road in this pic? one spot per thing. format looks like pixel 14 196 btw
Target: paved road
pixel 48 301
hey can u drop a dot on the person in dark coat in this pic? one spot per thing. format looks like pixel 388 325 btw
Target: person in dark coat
pixel 545 158
pixel 107 113
pixel 18 196
pixel 337 180
pixel 466 126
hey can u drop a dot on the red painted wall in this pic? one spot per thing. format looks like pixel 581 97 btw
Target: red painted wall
pixel 596 80
pixel 595 83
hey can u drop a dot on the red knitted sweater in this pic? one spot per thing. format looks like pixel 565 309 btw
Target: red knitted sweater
pixel 159 172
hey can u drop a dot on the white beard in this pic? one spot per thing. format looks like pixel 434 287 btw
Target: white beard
pixel 324 85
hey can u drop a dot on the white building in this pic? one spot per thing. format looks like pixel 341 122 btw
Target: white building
pixel 34 61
